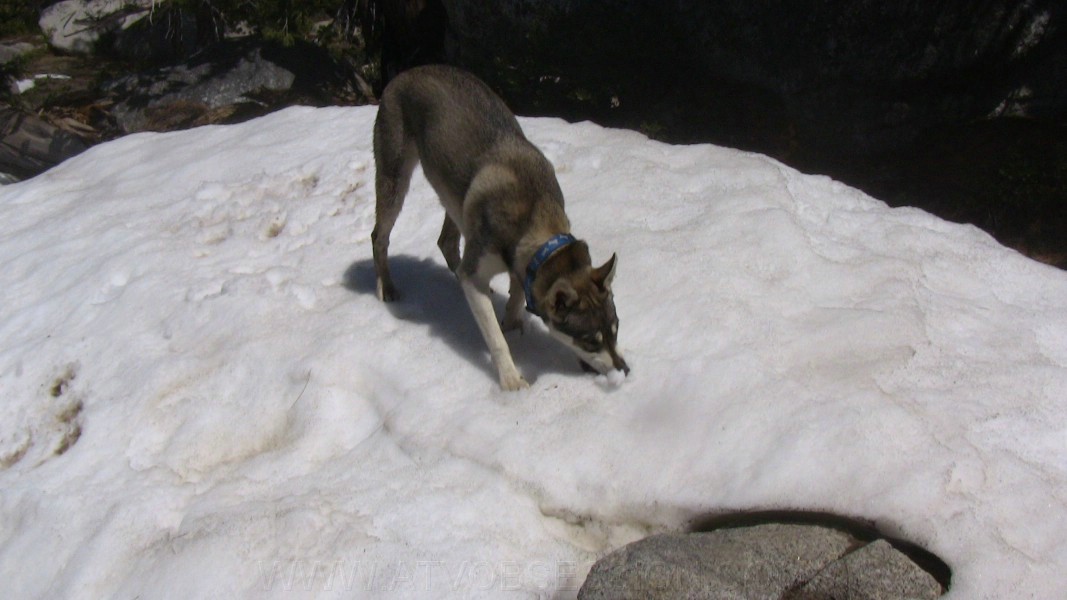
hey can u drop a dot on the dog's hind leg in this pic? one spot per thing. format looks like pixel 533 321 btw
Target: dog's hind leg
pixel 395 159
pixel 449 243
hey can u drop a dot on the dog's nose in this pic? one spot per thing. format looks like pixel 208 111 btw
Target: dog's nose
pixel 620 364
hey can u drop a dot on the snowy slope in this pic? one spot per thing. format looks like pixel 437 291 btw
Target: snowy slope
pixel 201 396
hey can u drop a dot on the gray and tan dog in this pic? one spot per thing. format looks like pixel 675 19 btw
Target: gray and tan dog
pixel 500 193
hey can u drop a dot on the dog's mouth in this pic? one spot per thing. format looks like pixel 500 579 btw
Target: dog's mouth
pixel 600 359
pixel 617 362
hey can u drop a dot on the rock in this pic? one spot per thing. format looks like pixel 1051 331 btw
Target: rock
pixel 853 89
pixel 229 81
pixel 10 52
pixel 829 77
pixel 170 35
pixel 205 85
pixel 877 571
pixel 29 146
pixel 769 561
pixel 756 562
pixel 413 34
pixel 77 25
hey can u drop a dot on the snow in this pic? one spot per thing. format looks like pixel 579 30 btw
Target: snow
pixel 203 398
pixel 25 85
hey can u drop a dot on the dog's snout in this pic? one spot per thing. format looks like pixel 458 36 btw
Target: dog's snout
pixel 620 364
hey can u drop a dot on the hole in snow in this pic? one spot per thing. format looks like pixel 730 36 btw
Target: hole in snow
pixel 60 384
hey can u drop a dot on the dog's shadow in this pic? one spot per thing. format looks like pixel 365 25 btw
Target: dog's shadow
pixel 430 294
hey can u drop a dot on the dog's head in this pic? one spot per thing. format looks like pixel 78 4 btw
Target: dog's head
pixel 580 312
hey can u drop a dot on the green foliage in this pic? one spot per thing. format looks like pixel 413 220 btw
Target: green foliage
pixel 331 24
pixel 18 16
pixel 1025 180
pixel 347 29
pixel 281 20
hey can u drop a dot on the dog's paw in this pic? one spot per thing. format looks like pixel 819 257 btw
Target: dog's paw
pixel 387 291
pixel 513 383
pixel 512 324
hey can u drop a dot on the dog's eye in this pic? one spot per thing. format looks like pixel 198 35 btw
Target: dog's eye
pixel 592 343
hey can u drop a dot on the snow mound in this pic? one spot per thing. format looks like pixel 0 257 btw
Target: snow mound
pixel 202 396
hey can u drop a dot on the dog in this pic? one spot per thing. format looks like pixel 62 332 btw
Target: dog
pixel 501 195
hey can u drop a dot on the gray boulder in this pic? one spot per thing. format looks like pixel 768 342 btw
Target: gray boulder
pixel 10 52
pixel 876 571
pixel 773 561
pixel 76 25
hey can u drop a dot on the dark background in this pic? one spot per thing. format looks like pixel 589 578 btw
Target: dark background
pixel 955 107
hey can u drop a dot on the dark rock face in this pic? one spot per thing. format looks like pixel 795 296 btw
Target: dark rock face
pixel 413 34
pixel 165 35
pixel 856 89
pixel 780 561
pixel 844 76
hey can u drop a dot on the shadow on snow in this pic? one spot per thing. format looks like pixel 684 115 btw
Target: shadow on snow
pixel 431 296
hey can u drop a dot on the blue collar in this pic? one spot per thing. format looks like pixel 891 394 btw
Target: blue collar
pixel 548 249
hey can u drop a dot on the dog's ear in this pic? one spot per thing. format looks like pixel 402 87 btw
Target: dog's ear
pixel 561 296
pixel 603 275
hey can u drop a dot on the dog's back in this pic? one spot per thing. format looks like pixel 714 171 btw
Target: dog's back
pixel 453 120
pixel 441 95
pixel 460 130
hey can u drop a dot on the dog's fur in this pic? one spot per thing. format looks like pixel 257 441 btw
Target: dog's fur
pixel 500 193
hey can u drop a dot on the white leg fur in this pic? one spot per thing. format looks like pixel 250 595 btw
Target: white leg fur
pixel 516 302
pixel 482 307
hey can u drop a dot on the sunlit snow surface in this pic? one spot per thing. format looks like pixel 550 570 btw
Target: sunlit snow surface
pixel 191 317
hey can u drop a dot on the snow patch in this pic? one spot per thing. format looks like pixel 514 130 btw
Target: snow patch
pixel 203 397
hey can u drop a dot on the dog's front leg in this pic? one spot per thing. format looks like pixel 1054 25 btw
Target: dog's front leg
pixel 476 289
pixel 516 301
pixel 448 242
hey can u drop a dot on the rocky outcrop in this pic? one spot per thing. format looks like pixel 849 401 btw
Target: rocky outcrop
pixel 871 93
pixel 29 145
pixel 217 84
pixel 770 561
pixel 149 101
pixel 56 106
pixel 825 77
